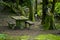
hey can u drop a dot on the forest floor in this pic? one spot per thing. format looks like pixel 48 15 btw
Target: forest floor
pixel 36 29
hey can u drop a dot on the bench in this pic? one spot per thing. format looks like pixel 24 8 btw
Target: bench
pixel 30 24
pixel 11 24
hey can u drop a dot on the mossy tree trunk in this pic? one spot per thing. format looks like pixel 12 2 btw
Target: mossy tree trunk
pixel 44 11
pixel 31 13
pixel 48 16
pixel 45 16
pixel 35 6
pixel 52 23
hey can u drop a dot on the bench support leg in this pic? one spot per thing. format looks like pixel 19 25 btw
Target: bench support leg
pixel 20 24
pixel 17 24
pixel 11 26
pixel 25 25
pixel 29 26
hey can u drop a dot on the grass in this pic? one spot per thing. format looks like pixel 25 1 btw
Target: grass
pixel 47 37
pixel 8 37
pixel 17 38
pixel 3 36
pixel 38 37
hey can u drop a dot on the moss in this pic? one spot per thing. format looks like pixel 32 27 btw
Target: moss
pixel 17 37
pixel 47 37
pixel 25 37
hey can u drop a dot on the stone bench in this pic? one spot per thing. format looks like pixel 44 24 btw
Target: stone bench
pixel 11 24
pixel 30 24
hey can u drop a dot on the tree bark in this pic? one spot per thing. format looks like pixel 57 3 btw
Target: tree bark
pixel 45 18
pixel 31 14
pixel 36 7
pixel 52 22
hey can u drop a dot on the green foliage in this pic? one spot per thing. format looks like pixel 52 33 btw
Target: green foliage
pixel 5 4
pixel 8 37
pixel 14 7
pixel 57 26
pixel 23 2
pixel 50 0
pixel 3 37
pixel 47 37
pixel 39 10
pixel 57 8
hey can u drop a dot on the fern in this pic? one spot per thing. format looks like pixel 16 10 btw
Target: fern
pixel 13 6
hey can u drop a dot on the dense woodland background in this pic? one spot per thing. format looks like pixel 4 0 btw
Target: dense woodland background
pixel 44 13
pixel 47 11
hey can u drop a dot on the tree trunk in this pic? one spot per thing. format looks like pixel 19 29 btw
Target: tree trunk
pixel 52 24
pixel 31 14
pixel 45 17
pixel 36 7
